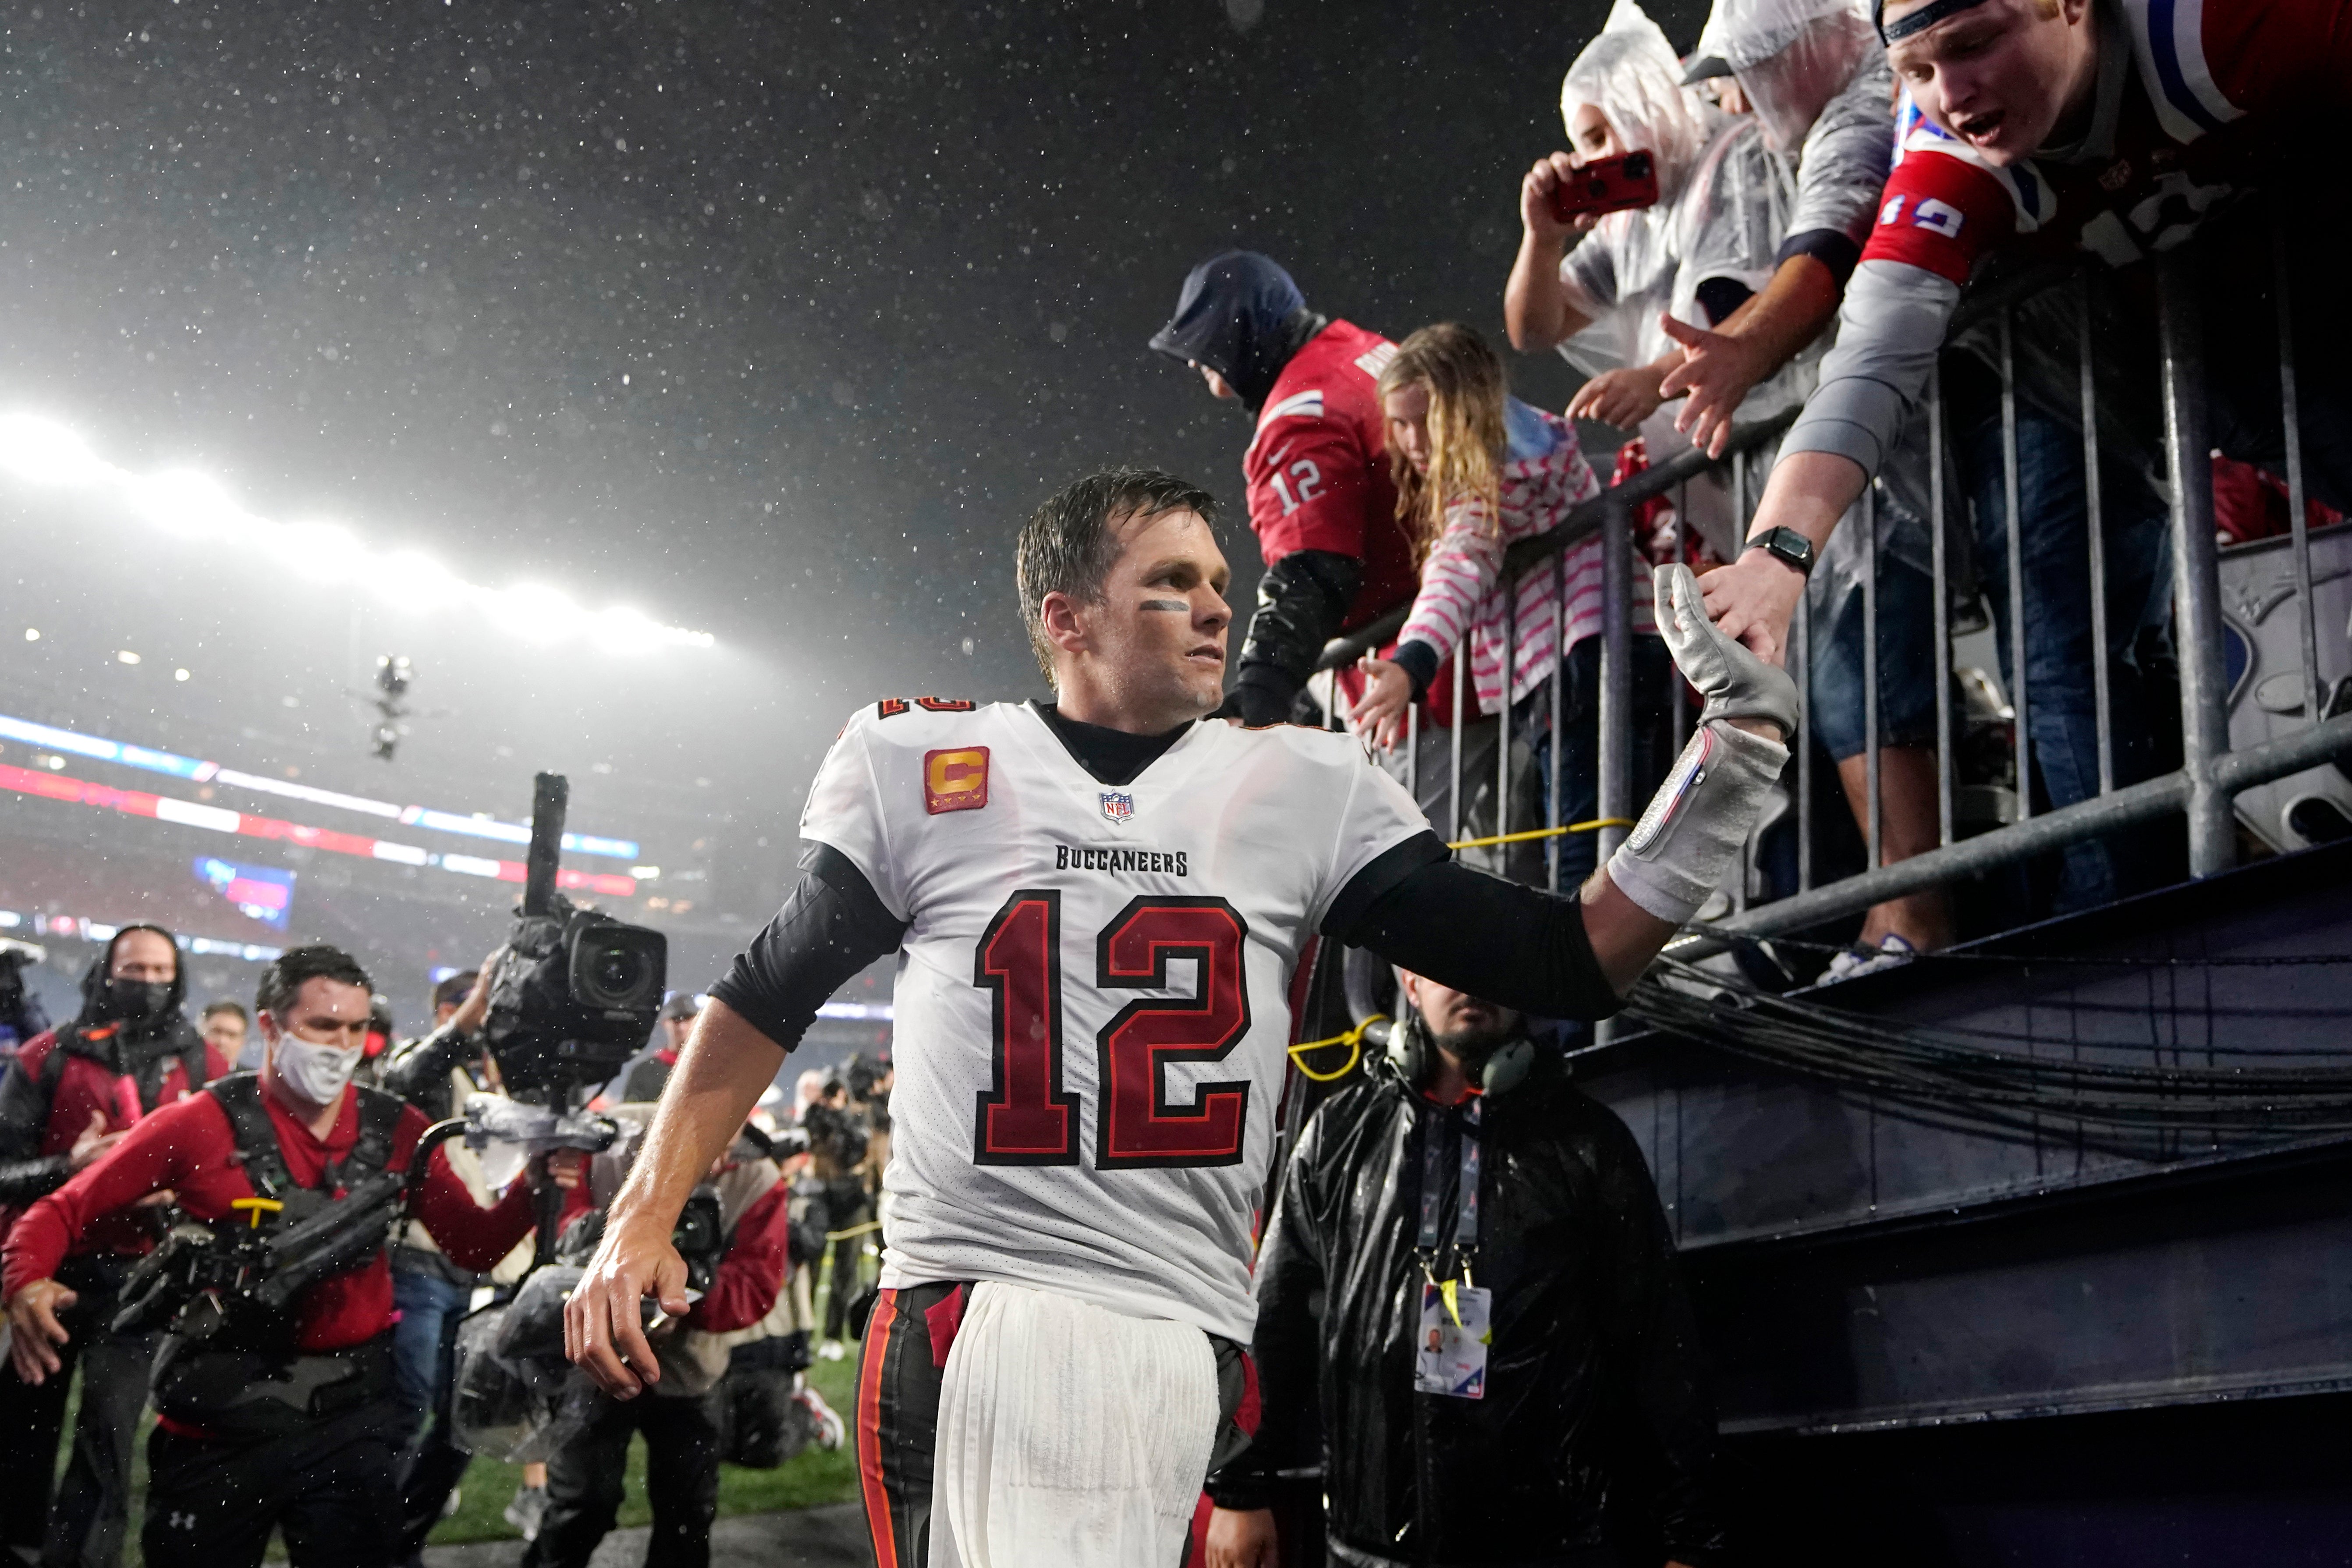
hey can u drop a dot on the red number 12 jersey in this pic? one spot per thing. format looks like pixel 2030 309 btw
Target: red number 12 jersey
pixel 1092 994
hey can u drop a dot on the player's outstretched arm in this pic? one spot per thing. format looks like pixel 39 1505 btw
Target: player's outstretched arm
pixel 1689 840
pixel 725 1067
pixel 1577 958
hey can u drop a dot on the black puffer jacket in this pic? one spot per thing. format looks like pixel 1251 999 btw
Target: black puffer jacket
pixel 1593 1422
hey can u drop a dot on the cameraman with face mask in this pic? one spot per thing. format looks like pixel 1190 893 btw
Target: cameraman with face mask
pixel 1468 1266
pixel 273 1409
pixel 72 1094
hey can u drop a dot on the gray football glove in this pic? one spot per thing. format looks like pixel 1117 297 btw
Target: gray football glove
pixel 1688 841
pixel 1734 682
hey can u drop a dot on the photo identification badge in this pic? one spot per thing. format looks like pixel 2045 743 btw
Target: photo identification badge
pixel 1450 1354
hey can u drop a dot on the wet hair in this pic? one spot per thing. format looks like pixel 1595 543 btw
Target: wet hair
pixel 213 1009
pixel 1466 388
pixel 298 966
pixel 452 992
pixel 1069 545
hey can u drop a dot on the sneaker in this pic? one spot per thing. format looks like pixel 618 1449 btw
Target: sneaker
pixel 528 1507
pixel 832 1349
pixel 1859 960
pixel 830 1429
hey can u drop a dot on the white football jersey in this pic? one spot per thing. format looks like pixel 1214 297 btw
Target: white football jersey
pixel 1093 995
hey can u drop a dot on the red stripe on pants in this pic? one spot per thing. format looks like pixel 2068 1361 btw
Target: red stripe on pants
pixel 869 1429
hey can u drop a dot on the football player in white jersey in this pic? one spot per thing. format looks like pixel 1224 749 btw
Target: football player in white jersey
pixel 1099 906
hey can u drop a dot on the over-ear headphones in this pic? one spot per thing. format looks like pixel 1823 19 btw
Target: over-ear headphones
pixel 1414 1057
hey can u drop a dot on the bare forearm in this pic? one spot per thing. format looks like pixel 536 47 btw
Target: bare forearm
pixel 1624 935
pixel 1537 312
pixel 725 1067
pixel 1809 491
pixel 1789 313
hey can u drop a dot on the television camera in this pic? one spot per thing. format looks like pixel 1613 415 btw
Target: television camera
pixel 579 991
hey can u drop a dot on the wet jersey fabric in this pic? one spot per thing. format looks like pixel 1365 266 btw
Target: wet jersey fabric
pixel 1092 987
pixel 1317 467
pixel 2197 101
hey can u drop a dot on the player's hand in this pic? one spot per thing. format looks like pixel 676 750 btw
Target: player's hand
pixel 1717 372
pixel 1537 194
pixel 1242 1540
pixel 34 1329
pixel 90 1144
pixel 1379 714
pixel 1622 397
pixel 603 1325
pixel 1735 683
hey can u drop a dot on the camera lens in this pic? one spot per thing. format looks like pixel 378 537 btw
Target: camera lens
pixel 618 971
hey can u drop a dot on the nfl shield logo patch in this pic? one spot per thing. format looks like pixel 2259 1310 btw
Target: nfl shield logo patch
pixel 1118 807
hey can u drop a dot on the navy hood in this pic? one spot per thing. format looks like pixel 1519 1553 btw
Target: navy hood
pixel 1243 317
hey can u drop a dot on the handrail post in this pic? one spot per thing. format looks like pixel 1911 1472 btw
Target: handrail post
pixel 2020 687
pixel 1616 781
pixel 2196 566
pixel 2315 700
pixel 1942 610
pixel 1553 846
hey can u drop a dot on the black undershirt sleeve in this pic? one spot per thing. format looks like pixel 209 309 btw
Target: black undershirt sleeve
pixel 1832 249
pixel 1512 945
pixel 1301 601
pixel 833 925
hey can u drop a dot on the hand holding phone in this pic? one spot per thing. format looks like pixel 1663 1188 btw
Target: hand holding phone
pixel 1607 185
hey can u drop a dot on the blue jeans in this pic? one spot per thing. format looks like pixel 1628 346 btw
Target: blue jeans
pixel 422 1344
pixel 2053 540
pixel 1906 664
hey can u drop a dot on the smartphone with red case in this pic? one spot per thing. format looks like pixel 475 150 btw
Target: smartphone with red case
pixel 1607 185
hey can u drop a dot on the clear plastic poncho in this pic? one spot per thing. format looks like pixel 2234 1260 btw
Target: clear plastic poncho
pixel 1791 56
pixel 1627 266
pixel 1631 74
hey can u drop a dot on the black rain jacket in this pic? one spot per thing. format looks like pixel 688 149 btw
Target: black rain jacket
pixel 1593 1404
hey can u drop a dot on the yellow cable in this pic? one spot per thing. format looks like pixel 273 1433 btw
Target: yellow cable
pixel 1597 822
pixel 1353 1040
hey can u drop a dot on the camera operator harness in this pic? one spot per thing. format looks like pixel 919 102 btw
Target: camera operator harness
pixel 224 1293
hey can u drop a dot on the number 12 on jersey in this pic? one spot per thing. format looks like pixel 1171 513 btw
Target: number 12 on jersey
pixel 1025 1118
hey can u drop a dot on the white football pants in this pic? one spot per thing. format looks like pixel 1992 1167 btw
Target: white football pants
pixel 1069 1435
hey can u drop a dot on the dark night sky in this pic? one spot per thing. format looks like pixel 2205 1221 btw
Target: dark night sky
pixel 878 279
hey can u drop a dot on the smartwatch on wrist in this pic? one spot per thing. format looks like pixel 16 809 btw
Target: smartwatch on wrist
pixel 1788 545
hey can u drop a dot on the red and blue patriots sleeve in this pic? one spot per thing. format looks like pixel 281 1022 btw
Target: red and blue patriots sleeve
pixel 1940 213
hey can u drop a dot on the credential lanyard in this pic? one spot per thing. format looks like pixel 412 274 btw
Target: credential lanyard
pixel 1432 1194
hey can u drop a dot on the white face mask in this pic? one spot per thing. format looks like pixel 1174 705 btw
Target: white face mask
pixel 317 1073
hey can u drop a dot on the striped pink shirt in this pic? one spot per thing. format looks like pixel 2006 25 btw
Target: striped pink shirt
pixel 1544 475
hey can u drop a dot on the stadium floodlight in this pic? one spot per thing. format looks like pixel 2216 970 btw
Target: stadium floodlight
pixel 191 503
pixel 324 552
pixel 45 453
pixel 42 452
pixel 534 613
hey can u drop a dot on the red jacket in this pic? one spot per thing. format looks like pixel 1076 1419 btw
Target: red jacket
pixel 189 1149
pixel 1318 469
pixel 84 1085
pixel 752 1273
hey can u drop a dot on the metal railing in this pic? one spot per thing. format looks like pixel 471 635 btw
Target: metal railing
pixel 2203 788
